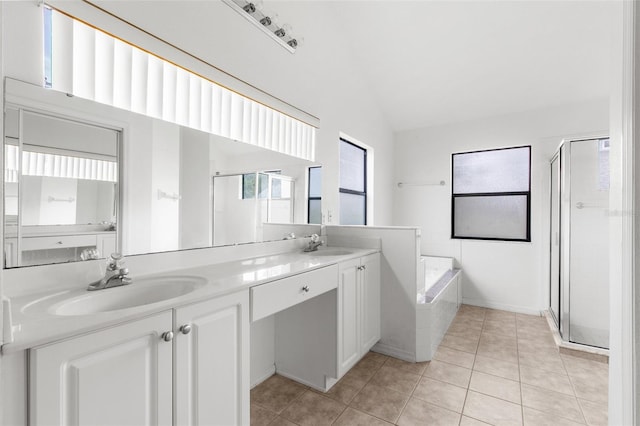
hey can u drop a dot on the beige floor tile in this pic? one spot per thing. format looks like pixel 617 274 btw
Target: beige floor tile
pixel 467 333
pixel 498 340
pixel 469 311
pixel 409 367
pixel 502 316
pixel 546 379
pixel 276 393
pixel 497 367
pixel 594 413
pixel 531 319
pixel 352 417
pixel 533 343
pixel 261 416
pixel 533 417
pixel 583 367
pixel 504 353
pixel 542 359
pixel 499 327
pixel 380 402
pixel 313 409
pixel 468 421
pixel 492 410
pixel 356 379
pixel 498 387
pixel 373 360
pixel 552 403
pixel 363 372
pixel 460 322
pixel 585 355
pixel 343 392
pixel 418 412
pixel 448 373
pixel 281 421
pixel 453 356
pixel 441 394
pixel 459 343
pixel 396 379
pixel 592 389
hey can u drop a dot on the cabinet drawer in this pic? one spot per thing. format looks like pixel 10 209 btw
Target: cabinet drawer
pixel 267 299
pixel 60 241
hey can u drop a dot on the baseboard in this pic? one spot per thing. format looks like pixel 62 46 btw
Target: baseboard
pixel 299 380
pixel 501 306
pixel 394 352
pixel 264 376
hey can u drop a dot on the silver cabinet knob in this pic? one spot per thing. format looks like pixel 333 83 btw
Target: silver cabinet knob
pixel 305 289
pixel 167 336
pixel 185 329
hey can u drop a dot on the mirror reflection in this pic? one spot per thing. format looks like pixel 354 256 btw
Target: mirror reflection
pixel 60 189
pixel 179 188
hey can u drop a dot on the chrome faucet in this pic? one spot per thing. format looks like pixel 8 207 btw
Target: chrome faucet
pixel 115 275
pixel 314 243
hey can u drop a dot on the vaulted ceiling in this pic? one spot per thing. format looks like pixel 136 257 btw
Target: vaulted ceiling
pixel 424 62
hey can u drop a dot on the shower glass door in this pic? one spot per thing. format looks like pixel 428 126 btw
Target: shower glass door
pixel 589 239
pixel 554 290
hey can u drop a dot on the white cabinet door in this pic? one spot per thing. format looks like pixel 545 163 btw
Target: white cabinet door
pixel 348 316
pixel 370 301
pixel 118 376
pixel 212 362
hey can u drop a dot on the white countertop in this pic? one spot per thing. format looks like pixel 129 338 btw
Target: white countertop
pixel 32 324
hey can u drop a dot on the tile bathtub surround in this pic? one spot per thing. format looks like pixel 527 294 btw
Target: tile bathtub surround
pixel 493 367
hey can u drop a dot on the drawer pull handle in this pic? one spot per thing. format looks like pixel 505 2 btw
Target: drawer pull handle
pixel 167 336
pixel 59 242
pixel 305 289
pixel 185 329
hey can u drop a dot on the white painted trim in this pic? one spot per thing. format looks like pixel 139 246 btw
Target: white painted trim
pixel 622 362
pixel 264 376
pixel 370 178
pixel 500 306
pixel 384 349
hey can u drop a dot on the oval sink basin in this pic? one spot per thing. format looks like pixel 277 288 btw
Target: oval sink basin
pixel 330 252
pixel 141 292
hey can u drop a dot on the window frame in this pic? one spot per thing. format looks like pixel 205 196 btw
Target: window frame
pixel 310 198
pixel 527 194
pixel 365 183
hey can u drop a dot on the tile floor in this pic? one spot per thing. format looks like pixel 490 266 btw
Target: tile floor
pixel 493 367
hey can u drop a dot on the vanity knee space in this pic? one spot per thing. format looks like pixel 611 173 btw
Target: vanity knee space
pixel 318 341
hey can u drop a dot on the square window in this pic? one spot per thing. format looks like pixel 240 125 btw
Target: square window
pixel 491 194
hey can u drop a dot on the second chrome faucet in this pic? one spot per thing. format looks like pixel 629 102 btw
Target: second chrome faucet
pixel 116 274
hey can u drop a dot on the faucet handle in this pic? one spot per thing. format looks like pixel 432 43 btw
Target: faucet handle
pixel 115 261
pixel 315 238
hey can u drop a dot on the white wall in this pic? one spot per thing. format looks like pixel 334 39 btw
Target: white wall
pixel 320 77
pixel 504 275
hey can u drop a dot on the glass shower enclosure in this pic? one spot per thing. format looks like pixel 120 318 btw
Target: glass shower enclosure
pixel 579 241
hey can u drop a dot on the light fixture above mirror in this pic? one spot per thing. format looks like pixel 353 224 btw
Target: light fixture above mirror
pixel 253 12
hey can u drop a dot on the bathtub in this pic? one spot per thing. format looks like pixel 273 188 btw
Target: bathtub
pixel 439 295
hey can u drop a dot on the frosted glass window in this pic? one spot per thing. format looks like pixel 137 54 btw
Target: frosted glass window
pixel 314 206
pixel 315 211
pixel 315 181
pixel 494 217
pixel 352 209
pixel 352 167
pixel 501 170
pixel 491 193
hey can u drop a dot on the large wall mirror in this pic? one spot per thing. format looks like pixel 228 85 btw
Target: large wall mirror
pixel 123 151
pixel 83 179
